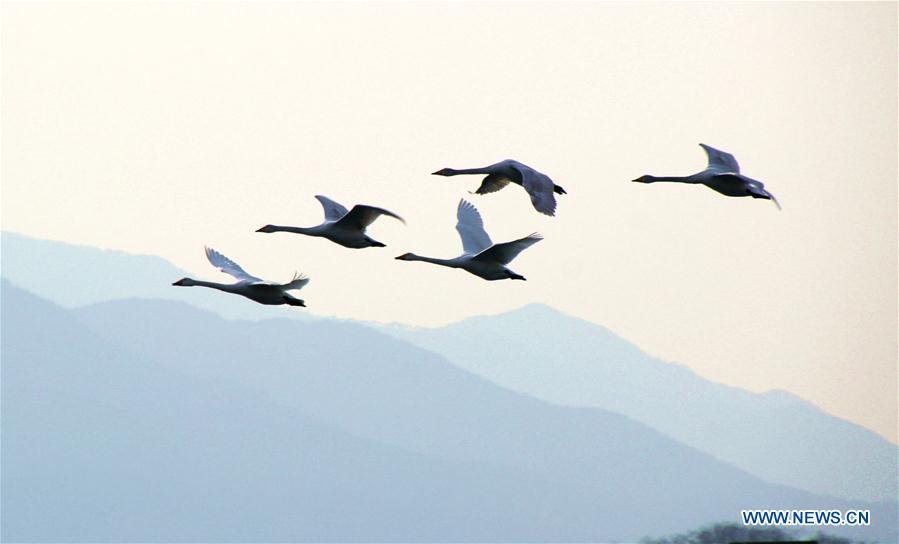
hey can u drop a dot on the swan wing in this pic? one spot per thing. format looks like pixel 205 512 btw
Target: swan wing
pixel 298 282
pixel 540 187
pixel 505 253
pixel 720 160
pixel 492 183
pixel 333 210
pixel 229 267
pixel 362 216
pixel 471 229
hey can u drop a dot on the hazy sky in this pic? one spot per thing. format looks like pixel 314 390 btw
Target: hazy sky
pixel 158 128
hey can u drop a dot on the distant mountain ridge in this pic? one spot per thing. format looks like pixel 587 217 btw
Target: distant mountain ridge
pixel 568 361
pixel 584 365
pixel 383 389
pixel 102 444
pixel 146 417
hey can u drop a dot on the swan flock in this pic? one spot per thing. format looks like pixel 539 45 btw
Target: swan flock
pixel 480 256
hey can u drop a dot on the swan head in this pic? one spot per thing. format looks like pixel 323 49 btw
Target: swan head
pixel 267 228
pixel 184 282
pixel 644 179
pixel 444 172
pixel 406 257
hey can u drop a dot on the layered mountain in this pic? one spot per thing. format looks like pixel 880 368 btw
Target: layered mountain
pixel 103 444
pixel 568 361
pixel 555 418
pixel 620 479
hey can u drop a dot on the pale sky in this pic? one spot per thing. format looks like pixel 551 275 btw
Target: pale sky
pixel 158 128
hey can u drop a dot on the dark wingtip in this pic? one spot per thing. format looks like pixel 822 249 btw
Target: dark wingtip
pixel 377 244
pixel 559 190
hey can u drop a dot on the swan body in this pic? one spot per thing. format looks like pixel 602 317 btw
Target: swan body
pixel 480 256
pixel 343 227
pixel 538 185
pixel 248 286
pixel 722 175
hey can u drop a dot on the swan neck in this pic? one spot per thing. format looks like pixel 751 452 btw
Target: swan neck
pixel 432 260
pixel 454 172
pixel 311 231
pixel 213 285
pixel 677 179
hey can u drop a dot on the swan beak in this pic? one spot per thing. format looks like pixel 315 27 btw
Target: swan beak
pixel 260 229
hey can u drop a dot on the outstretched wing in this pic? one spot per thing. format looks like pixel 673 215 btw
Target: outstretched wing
pixel 230 267
pixel 539 187
pixel 362 216
pixel 471 229
pixel 492 183
pixel 720 160
pixel 333 210
pixel 298 282
pixel 504 253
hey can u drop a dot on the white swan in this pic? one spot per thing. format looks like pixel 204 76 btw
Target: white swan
pixel 249 286
pixel 480 256
pixel 722 175
pixel 538 185
pixel 346 228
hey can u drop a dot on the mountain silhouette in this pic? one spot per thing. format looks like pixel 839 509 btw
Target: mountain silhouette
pixel 776 436
pixel 102 444
pixel 635 480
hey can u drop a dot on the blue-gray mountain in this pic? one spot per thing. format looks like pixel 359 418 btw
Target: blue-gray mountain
pixel 569 361
pixel 102 444
pixel 617 479
pixel 602 370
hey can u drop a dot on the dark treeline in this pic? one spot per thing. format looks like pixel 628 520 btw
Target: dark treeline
pixel 732 533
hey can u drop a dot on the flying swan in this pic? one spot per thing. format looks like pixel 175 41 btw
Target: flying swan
pixel 480 256
pixel 722 175
pixel 538 185
pixel 248 286
pixel 343 227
